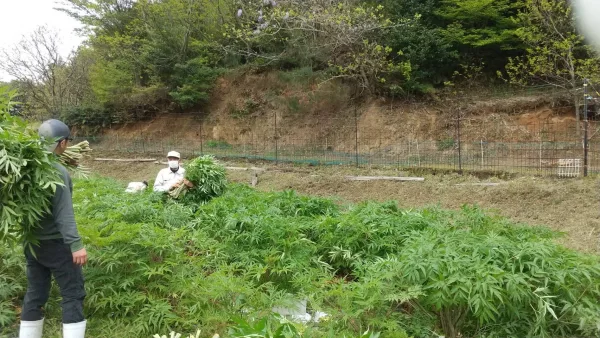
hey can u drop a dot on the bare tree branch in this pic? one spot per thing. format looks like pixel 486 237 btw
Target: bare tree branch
pixel 47 78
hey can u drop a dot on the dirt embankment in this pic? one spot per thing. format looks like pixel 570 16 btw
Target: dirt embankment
pixel 254 109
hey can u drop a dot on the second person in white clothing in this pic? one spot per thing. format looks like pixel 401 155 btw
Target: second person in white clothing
pixel 171 177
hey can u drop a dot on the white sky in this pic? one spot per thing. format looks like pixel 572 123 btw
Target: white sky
pixel 21 17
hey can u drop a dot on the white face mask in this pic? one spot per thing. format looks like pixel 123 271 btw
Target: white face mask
pixel 174 164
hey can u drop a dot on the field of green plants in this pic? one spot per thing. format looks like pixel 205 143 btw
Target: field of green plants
pixel 158 265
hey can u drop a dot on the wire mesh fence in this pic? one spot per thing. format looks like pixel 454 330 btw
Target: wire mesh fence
pixel 555 148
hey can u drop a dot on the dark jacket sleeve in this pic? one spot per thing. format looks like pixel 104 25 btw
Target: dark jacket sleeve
pixel 64 217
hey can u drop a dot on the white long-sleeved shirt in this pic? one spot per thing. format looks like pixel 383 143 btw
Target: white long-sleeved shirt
pixel 166 178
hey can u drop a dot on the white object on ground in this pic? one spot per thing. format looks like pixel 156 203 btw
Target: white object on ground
pixel 298 308
pixel 305 318
pixel 297 312
pixel 174 334
pixel 136 186
pixel 74 330
pixel 319 315
pixel 31 329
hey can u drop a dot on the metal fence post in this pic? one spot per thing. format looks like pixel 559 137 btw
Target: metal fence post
pixel 585 129
pixel 325 149
pixel 459 141
pixel 541 148
pixel 143 144
pixel 398 156
pixel 482 161
pixel 201 139
pixel 276 143
pixel 355 134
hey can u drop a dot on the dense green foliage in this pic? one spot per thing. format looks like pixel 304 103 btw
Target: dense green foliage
pixel 208 179
pixel 27 176
pixel 451 36
pixel 147 56
pixel 158 265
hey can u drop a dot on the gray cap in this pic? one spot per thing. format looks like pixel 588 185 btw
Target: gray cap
pixel 54 130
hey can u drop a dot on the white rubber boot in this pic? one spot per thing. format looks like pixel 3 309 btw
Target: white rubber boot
pixel 31 329
pixel 75 330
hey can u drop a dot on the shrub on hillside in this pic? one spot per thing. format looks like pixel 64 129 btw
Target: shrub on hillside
pixel 193 82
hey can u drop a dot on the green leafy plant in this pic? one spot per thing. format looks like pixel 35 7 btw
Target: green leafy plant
pixel 72 156
pixel 475 272
pixel 276 327
pixel 446 144
pixel 173 334
pixel 264 328
pixel 11 282
pixel 28 178
pixel 207 177
pixel 249 108
pixel 293 104
pixel 373 268
pixel 218 144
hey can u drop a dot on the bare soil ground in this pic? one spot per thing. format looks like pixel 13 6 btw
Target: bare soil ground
pixel 571 206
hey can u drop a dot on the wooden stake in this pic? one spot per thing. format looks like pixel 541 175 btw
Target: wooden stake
pixel 126 159
pixel 254 178
pixel 384 178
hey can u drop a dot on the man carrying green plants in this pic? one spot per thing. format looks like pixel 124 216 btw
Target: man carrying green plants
pixel 171 177
pixel 60 253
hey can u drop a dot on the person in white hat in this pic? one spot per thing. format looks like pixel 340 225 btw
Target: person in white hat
pixel 171 177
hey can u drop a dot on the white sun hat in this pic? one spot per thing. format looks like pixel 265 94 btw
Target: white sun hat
pixel 174 154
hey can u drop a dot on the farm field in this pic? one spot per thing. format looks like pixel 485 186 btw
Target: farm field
pixel 571 206
pixel 353 169
pixel 420 267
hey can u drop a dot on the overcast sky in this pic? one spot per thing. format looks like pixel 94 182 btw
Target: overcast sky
pixel 21 17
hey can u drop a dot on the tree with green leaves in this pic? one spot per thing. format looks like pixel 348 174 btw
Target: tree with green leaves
pixel 344 37
pixel 102 17
pixel 175 49
pixel 482 23
pixel 555 53
pixel 151 47
pixel 449 36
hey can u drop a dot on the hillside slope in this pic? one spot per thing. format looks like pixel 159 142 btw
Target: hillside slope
pixel 251 109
